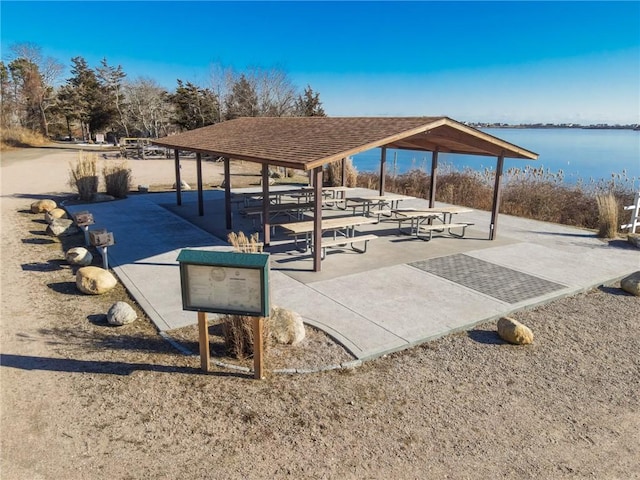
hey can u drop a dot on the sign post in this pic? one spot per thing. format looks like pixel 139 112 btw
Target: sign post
pixel 228 283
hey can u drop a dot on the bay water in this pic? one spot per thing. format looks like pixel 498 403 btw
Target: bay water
pixel 581 154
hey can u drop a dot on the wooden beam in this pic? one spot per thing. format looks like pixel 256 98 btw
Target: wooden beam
pixel 227 194
pixel 199 177
pixel 344 172
pixel 203 340
pixel 317 219
pixel 176 160
pixel 497 194
pixel 266 223
pixel 434 176
pixel 258 348
pixel 383 169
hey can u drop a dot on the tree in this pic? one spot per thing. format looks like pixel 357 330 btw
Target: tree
pixel 149 109
pixel 309 105
pixel 242 100
pixel 194 107
pixel 31 77
pixel 276 93
pixel 111 80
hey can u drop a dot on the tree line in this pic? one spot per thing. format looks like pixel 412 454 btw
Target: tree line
pixel 104 100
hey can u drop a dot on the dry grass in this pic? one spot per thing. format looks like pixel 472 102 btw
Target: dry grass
pixel 530 193
pixel 83 176
pixel 333 174
pixel 607 215
pixel 117 179
pixel 11 138
pixel 242 244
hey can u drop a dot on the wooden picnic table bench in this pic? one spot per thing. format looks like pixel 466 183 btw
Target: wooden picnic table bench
pixel 343 229
pixel 378 205
pixel 419 217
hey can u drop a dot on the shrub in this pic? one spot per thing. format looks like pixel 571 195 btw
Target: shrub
pixel 607 215
pixel 83 176
pixel 117 179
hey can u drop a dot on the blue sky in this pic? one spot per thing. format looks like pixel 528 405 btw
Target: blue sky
pixel 473 61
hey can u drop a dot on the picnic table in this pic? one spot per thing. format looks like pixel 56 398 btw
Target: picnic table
pixel 421 221
pixel 343 231
pixel 375 204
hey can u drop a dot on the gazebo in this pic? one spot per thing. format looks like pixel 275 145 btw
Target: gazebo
pixel 309 143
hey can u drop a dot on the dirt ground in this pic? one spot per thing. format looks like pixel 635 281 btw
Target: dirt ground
pixel 82 400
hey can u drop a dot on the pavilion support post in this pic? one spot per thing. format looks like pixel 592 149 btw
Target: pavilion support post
pixel 317 218
pixel 383 169
pixel 227 193
pixel 344 172
pixel 199 177
pixel 176 161
pixel 434 177
pixel 266 224
pixel 497 195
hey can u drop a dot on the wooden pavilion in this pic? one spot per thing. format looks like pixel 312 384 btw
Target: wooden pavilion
pixel 309 143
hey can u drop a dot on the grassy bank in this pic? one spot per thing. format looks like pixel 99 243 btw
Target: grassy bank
pixel 531 193
pixel 11 138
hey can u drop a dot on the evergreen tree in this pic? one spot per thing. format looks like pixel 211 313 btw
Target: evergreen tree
pixel 242 101
pixel 309 105
pixel 195 107
pixel 111 80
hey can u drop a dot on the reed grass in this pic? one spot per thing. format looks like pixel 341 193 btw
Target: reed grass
pixel 333 174
pixel 117 179
pixel 535 193
pixel 607 215
pixel 83 175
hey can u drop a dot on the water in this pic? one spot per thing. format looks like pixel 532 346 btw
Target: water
pixel 581 154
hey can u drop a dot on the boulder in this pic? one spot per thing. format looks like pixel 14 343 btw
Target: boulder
pixel 94 280
pixel 50 216
pixel 513 331
pixel 79 256
pixel 42 206
pixel 121 313
pixel 183 185
pixel 286 327
pixel 631 284
pixel 60 227
pixel 634 239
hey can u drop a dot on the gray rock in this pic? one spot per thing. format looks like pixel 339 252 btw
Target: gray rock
pixel 143 188
pixel 631 284
pixel 95 280
pixel 102 197
pixel 634 239
pixel 286 327
pixel 42 206
pixel 79 256
pixel 53 214
pixel 60 227
pixel 121 313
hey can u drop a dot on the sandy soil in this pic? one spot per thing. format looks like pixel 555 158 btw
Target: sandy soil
pixel 82 400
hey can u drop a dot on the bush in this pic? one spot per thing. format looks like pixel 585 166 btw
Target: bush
pixel 83 176
pixel 117 179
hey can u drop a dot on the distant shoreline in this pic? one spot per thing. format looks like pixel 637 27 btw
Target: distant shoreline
pixel 549 126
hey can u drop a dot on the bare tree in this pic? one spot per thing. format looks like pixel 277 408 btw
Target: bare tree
pixel 148 108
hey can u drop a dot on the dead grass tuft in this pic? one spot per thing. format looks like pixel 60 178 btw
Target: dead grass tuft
pixel 83 176
pixel 333 174
pixel 607 215
pixel 117 179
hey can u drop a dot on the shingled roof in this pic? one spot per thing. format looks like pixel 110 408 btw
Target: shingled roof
pixel 308 142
